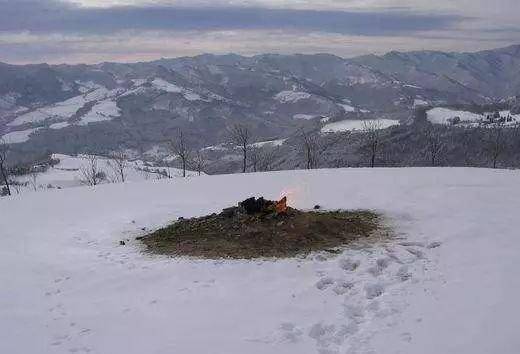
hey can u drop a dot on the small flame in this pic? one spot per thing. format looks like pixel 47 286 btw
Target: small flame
pixel 290 194
pixel 281 206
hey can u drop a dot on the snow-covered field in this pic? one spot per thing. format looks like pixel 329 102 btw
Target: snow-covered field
pixel 291 96
pixel 441 115
pixel 18 136
pixel 67 173
pixel 448 283
pixel 351 125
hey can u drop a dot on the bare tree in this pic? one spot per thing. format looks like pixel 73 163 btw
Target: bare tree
pixel 255 157
pixel 495 143
pixel 90 173
pixel 434 144
pixel 4 172
pixel 372 136
pixel 269 156
pixel 199 162
pixel 262 158
pixel 181 149
pixel 311 148
pixel 118 163
pixel 241 136
pixel 314 146
pixel 34 179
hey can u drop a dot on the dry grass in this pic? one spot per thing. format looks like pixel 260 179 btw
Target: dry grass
pixel 263 236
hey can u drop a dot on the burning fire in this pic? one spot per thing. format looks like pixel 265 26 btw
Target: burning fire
pixel 281 206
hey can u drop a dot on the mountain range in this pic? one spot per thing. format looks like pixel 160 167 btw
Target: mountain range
pixel 139 106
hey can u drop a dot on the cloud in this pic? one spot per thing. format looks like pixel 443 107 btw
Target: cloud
pixel 55 16
pixel 57 31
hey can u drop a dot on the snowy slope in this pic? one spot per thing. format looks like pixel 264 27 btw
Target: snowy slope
pixel 448 284
pixel 350 125
pixel 67 173
pixel 19 136
pixel 441 115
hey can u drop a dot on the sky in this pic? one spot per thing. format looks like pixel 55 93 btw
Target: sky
pixel 93 31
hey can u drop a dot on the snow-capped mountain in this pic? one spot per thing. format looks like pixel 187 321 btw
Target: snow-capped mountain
pixel 96 108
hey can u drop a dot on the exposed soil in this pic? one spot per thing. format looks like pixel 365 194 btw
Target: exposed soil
pixel 236 234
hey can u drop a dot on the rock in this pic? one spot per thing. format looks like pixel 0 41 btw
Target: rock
pixel 317 207
pixel 122 243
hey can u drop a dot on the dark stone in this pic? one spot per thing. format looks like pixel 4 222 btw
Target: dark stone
pixel 122 243
pixel 317 207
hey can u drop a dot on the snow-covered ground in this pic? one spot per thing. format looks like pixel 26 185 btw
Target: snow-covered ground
pixel 20 136
pixel 67 173
pixel 347 107
pixel 305 116
pixel 440 115
pixel 350 125
pixel 102 111
pixel 66 109
pixel 271 143
pixel 447 284
pixel 291 96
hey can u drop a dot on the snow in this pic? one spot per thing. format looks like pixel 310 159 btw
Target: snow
pixel 166 86
pixel 278 142
pixel 60 125
pixel 304 116
pixel 418 102
pixel 67 174
pixel 102 111
pixel 190 96
pixel 66 109
pixel 441 115
pixel 351 125
pixel 291 96
pixel 447 283
pixel 172 88
pixel 219 147
pixel 348 108
pixel 19 136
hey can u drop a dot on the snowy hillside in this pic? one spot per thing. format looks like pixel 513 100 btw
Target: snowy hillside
pixel 441 115
pixel 360 125
pixel 68 173
pixel 447 283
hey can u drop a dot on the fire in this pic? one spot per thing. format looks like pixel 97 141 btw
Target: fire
pixel 281 206
pixel 289 193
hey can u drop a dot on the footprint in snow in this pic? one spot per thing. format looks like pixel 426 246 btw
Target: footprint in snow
pixel 434 245
pixel 404 273
pixel 417 253
pixel 412 244
pixel 342 287
pixel 407 337
pixel 381 264
pixel 349 264
pixel 290 333
pixel 324 283
pixel 374 290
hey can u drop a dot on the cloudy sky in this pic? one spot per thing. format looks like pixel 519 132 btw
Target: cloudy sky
pixel 91 31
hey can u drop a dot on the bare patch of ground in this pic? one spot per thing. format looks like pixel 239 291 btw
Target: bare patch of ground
pixel 240 235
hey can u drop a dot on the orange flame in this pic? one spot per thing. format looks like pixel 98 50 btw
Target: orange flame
pixel 281 206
